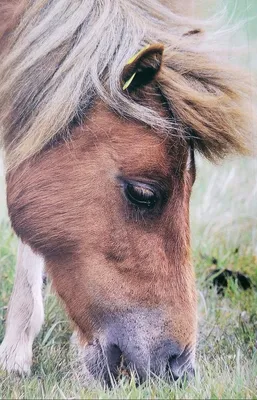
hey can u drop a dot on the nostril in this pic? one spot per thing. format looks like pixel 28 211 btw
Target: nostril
pixel 180 365
pixel 114 356
pixel 171 367
pixel 119 366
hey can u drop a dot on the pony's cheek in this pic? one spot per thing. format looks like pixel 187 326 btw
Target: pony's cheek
pixel 58 205
pixel 37 216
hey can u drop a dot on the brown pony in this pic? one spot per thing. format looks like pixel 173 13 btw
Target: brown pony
pixel 99 152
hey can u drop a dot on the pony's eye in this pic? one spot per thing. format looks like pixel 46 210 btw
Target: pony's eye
pixel 141 195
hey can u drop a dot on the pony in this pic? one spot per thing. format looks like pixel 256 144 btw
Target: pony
pixel 103 104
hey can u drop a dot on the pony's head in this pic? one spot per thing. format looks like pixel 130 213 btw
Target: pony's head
pixel 102 190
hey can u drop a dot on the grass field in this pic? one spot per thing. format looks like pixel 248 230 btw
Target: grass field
pixel 224 226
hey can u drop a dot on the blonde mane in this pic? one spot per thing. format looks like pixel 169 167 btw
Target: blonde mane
pixel 65 53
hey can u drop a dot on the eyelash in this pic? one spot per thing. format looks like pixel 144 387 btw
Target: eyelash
pixel 141 195
pixel 140 211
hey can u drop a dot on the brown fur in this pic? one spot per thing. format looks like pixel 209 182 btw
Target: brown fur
pixel 90 232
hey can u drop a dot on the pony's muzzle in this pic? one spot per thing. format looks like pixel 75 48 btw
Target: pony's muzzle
pixel 112 355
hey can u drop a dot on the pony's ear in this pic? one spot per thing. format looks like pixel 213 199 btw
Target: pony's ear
pixel 142 68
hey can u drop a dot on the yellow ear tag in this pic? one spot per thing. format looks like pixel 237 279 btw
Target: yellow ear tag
pixel 130 61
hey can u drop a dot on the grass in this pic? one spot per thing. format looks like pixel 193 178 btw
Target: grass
pixel 224 226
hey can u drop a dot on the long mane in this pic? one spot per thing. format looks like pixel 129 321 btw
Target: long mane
pixel 62 54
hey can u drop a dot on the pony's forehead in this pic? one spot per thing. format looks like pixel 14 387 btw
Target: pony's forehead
pixel 134 146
